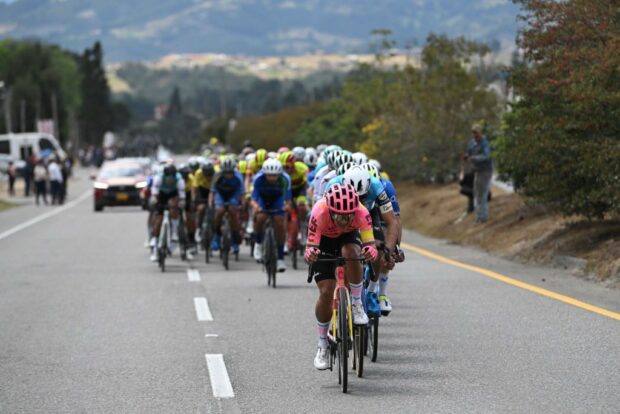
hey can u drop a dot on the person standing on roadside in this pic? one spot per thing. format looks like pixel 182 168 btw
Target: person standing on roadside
pixel 27 173
pixel 479 153
pixel 55 181
pixel 12 173
pixel 40 182
pixel 64 169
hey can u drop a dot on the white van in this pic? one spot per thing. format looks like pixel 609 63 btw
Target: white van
pixel 23 145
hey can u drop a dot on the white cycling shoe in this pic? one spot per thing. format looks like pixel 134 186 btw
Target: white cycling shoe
pixel 359 315
pixel 386 305
pixel 280 265
pixel 258 252
pixel 153 257
pixel 321 360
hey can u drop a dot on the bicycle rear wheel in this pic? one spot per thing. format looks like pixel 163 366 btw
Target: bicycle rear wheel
pixel 271 255
pixel 343 339
pixel 373 337
pixel 162 250
pixel 359 333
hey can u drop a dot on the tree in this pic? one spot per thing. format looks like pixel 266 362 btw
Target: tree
pixel 96 113
pixel 36 75
pixel 561 142
pixel 414 119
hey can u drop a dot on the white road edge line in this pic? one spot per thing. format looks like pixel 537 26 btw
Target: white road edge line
pixel 47 215
pixel 202 310
pixel 218 375
pixel 193 275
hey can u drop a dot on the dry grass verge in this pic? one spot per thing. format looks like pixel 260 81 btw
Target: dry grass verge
pixel 516 230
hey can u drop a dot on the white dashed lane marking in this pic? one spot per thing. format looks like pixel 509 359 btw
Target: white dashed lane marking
pixel 202 310
pixel 218 375
pixel 193 275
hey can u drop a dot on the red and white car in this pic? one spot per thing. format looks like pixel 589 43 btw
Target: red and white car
pixel 119 183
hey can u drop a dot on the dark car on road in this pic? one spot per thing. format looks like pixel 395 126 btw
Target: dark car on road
pixel 119 183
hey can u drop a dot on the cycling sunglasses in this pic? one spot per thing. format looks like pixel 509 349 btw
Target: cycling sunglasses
pixel 342 219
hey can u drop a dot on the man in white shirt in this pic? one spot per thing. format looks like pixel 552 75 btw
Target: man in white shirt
pixel 55 181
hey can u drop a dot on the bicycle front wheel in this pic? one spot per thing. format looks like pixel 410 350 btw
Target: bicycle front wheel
pixel 343 339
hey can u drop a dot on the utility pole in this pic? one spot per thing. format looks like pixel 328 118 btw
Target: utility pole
pixel 55 116
pixel 7 107
pixel 22 117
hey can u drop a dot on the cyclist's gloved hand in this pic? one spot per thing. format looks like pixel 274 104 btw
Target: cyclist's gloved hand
pixel 370 253
pixel 399 255
pixel 312 254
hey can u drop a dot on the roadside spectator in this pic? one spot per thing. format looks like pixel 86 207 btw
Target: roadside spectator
pixel 40 182
pixel 55 181
pixel 64 170
pixel 479 153
pixel 27 173
pixel 12 173
pixel 466 181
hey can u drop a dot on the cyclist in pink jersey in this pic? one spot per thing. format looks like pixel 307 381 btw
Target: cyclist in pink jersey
pixel 337 223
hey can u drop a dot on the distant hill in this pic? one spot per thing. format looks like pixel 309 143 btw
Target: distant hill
pixel 148 29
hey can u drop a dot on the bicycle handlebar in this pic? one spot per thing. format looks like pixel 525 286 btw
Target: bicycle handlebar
pixel 333 259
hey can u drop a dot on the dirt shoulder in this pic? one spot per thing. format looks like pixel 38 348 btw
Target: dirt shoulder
pixel 516 230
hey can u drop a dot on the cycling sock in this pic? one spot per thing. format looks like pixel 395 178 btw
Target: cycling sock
pixel 356 293
pixel 383 283
pixel 175 226
pixel 322 328
pixel 281 251
pixel 372 286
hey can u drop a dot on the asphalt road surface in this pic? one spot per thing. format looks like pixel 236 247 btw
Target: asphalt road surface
pixel 89 325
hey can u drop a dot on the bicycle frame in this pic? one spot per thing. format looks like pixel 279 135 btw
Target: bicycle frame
pixel 340 284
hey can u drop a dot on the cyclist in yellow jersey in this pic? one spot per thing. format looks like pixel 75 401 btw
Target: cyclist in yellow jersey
pixel 200 183
pixel 298 172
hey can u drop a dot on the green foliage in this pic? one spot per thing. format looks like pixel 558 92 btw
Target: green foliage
pixel 271 130
pixel 560 143
pixel 96 114
pixel 34 73
pixel 415 120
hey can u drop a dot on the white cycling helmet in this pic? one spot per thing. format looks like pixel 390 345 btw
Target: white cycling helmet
pixel 299 153
pixel 320 148
pixel 311 158
pixel 272 166
pixel 228 164
pixel 358 178
pixel 360 158
pixel 345 167
pixel 331 159
pixel 342 159
pixel 371 169
pixel 272 154
pixel 376 163
pixel 250 157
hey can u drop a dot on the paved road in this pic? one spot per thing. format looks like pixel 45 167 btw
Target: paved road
pixel 87 324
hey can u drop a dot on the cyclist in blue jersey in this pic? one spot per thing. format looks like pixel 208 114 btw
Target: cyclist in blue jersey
pixel 374 197
pixel 270 196
pixel 382 273
pixel 227 191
